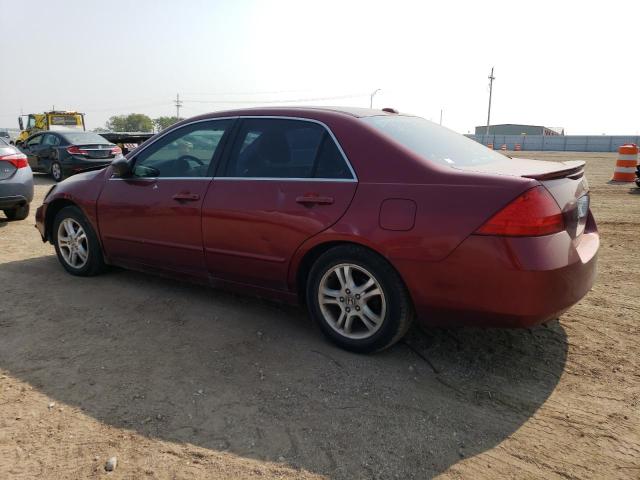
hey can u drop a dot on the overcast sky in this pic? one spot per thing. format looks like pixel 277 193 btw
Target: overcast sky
pixel 557 63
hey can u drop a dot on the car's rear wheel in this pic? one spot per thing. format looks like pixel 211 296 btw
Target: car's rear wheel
pixel 17 213
pixel 358 299
pixel 56 171
pixel 76 243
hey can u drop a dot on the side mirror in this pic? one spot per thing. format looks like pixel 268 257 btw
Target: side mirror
pixel 20 123
pixel 121 167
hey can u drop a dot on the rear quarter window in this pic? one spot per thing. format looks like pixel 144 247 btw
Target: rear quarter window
pixel 433 142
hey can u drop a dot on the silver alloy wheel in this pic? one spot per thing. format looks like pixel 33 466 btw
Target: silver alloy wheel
pixel 56 170
pixel 73 243
pixel 352 301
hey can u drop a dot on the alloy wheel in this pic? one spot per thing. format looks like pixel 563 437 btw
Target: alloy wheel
pixel 352 301
pixel 56 171
pixel 73 243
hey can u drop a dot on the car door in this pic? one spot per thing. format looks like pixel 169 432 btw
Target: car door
pixel 31 149
pixel 47 150
pixel 284 180
pixel 153 218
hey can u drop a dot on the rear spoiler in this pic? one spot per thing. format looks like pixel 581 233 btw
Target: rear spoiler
pixel 573 169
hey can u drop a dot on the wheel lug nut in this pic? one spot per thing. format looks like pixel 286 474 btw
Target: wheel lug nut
pixel 348 309
pixel 357 296
pixel 342 299
pixel 357 308
pixel 347 291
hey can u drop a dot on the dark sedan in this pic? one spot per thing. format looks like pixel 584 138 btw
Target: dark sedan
pixel 65 153
pixel 370 217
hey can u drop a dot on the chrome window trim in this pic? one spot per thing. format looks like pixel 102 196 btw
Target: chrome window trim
pixel 287 179
pixel 259 179
pixel 354 178
pixel 138 179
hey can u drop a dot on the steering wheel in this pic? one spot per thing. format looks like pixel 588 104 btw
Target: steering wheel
pixel 189 158
pixel 182 165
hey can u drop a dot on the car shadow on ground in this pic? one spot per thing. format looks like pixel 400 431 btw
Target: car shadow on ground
pixel 189 364
pixel 43 179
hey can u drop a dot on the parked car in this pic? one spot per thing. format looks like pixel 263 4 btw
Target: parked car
pixel 4 135
pixel 63 153
pixel 370 217
pixel 16 182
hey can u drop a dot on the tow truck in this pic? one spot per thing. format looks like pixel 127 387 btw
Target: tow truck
pixel 53 120
pixel 66 120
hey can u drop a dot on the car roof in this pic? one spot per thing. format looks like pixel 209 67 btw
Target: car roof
pixel 302 111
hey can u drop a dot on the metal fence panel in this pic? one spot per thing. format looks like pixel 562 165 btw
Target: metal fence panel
pixel 560 143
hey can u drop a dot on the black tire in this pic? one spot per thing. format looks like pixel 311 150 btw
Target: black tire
pixel 17 213
pixel 399 312
pixel 56 171
pixel 94 264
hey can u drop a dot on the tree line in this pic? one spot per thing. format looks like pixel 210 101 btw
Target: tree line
pixel 137 122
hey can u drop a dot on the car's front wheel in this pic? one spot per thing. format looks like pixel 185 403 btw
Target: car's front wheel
pixel 17 213
pixel 76 243
pixel 358 299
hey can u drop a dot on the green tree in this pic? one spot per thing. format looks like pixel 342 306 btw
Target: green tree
pixel 134 122
pixel 165 122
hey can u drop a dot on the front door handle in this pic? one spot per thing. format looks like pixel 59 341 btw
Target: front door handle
pixel 186 197
pixel 314 199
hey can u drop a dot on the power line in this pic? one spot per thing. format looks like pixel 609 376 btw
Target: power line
pixel 273 92
pixel 294 100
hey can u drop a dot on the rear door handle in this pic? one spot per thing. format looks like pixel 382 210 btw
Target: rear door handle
pixel 186 197
pixel 314 199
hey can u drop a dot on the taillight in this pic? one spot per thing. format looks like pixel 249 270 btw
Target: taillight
pixel 18 160
pixel 116 151
pixel 75 150
pixel 532 214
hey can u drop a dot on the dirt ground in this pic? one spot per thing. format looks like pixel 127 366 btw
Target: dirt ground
pixel 180 381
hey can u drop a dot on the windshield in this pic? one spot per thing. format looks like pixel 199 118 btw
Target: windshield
pixel 85 138
pixel 433 142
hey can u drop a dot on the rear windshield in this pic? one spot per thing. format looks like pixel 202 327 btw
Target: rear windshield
pixel 84 138
pixel 433 142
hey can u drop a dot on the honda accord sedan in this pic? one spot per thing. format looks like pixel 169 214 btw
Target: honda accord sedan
pixel 371 218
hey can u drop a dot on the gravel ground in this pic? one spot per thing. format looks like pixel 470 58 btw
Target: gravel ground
pixel 179 381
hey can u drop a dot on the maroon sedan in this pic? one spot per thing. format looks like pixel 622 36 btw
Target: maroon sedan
pixel 370 217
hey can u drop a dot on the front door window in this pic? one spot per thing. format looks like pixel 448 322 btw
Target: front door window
pixel 186 152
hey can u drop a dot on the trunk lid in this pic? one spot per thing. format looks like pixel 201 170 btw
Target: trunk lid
pixel 97 151
pixel 564 180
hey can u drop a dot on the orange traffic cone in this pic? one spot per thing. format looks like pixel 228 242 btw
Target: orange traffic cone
pixel 625 170
pixel 490 145
pixel 517 147
pixel 503 147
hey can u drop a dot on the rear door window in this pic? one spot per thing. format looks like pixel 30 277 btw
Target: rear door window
pixel 285 149
pixel 51 140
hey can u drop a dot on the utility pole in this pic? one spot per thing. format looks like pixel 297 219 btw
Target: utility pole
pixel 491 79
pixel 440 116
pixel 371 97
pixel 178 105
